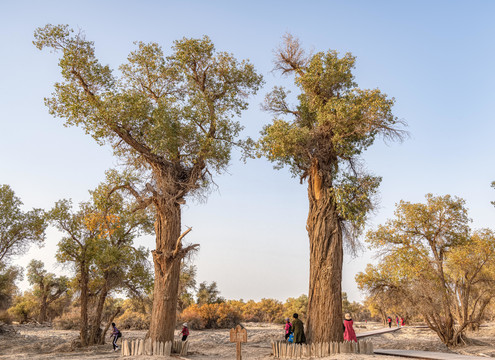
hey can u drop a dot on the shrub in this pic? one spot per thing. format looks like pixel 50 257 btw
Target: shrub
pixel 5 317
pixel 68 321
pixel 133 320
pixel 210 316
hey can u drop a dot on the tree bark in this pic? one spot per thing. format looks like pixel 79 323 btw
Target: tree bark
pixel 324 322
pixel 84 304
pixel 43 305
pixel 167 272
pixel 95 328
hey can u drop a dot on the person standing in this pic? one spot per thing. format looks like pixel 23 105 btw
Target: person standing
pixel 116 334
pixel 389 319
pixel 184 332
pixel 298 330
pixel 397 320
pixel 349 333
pixel 287 328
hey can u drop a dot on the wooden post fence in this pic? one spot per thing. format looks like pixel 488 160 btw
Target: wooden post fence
pixel 136 347
pixel 285 350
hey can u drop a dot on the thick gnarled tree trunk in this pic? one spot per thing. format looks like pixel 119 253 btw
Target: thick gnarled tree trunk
pixel 167 272
pixel 324 322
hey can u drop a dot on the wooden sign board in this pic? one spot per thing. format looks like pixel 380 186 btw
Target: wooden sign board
pixel 238 335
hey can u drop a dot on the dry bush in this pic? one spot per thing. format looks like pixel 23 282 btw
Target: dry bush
pixel 211 316
pixel 5 317
pixel 133 320
pixel 68 321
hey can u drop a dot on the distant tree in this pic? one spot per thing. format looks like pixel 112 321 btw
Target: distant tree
pixel 18 229
pixel 118 265
pixel 169 118
pixel 321 140
pixel 24 308
pixel 296 305
pixel 208 294
pixel 357 310
pixel 431 260
pixel 47 286
pixel 187 285
pixel 99 245
pixel 8 288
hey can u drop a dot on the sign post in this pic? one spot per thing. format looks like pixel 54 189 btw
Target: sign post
pixel 238 335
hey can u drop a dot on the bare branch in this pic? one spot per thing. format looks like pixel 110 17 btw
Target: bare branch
pixel 290 56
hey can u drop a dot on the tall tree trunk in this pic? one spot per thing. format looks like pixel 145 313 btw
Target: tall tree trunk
pixel 43 305
pixel 84 304
pixel 167 272
pixel 324 322
pixel 95 326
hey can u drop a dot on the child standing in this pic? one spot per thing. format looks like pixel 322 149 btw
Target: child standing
pixel 184 332
pixel 288 328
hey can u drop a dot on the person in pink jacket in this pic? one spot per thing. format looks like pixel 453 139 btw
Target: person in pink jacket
pixel 349 334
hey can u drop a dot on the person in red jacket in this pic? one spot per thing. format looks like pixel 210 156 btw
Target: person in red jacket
pixel 349 334
pixel 184 332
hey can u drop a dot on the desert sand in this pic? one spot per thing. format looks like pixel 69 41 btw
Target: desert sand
pixel 43 342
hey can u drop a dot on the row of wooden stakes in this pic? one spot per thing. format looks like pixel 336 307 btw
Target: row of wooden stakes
pixel 135 347
pixel 283 349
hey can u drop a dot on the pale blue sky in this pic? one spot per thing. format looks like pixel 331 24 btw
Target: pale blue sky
pixel 435 57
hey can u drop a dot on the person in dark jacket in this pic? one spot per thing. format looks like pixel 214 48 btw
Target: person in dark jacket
pixel 298 329
pixel 116 334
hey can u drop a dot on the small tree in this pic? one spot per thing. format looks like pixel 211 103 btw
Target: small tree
pixel 48 287
pixel 321 140
pixel 208 294
pixel 99 245
pixel 8 289
pixel 431 261
pixel 24 307
pixel 169 118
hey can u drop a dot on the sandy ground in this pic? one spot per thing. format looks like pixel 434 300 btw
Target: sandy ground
pixel 41 342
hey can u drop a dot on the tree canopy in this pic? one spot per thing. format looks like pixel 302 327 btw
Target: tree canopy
pixel 432 262
pixel 18 229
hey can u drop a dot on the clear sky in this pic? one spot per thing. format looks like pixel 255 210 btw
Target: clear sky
pixel 436 58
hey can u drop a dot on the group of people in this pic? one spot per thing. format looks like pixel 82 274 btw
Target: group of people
pixel 294 332
pixel 399 321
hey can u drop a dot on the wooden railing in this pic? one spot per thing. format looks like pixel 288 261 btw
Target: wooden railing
pixel 283 349
pixel 135 347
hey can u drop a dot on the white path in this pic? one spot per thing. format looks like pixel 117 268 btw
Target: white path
pixel 430 355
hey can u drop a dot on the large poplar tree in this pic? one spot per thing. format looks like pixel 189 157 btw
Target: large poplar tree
pixel 321 140
pixel 170 118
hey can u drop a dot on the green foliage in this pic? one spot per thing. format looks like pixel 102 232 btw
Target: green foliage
pixel 208 294
pixel 18 229
pixel 187 285
pixel 176 110
pixel 296 305
pixel 327 131
pixel 8 289
pixel 47 287
pixel 25 308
